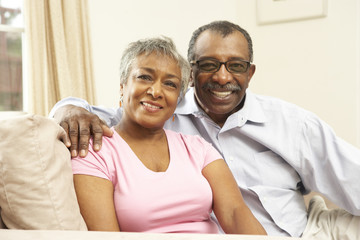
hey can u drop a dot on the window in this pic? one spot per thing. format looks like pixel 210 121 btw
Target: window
pixel 11 54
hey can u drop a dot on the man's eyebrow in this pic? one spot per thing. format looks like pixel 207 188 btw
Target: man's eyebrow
pixel 230 58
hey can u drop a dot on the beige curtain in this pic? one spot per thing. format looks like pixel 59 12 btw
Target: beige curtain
pixel 59 52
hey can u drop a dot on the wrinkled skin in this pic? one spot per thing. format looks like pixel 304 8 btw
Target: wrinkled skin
pixel 79 124
pixel 221 93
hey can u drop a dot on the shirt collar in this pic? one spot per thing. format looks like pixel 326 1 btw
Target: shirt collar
pixel 252 110
pixel 188 104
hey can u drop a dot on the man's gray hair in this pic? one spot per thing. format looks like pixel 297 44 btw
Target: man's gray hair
pixel 224 28
pixel 162 46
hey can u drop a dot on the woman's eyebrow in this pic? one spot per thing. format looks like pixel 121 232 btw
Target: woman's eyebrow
pixel 151 70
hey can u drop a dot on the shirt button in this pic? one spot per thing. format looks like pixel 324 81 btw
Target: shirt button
pixel 231 159
pixel 242 120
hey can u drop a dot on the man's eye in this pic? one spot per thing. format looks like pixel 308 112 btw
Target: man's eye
pixel 238 66
pixel 208 65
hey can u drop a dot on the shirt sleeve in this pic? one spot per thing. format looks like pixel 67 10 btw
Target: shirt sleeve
pixel 330 165
pixel 110 115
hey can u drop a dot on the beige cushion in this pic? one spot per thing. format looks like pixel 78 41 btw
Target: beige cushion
pixel 36 181
pixel 2 225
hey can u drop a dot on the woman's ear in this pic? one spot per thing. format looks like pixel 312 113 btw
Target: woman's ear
pixel 121 94
pixel 121 88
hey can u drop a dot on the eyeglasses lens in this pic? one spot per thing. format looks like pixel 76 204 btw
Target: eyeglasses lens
pixel 234 66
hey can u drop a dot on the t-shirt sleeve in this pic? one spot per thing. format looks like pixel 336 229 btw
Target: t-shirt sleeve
pixel 211 154
pixel 200 150
pixel 94 164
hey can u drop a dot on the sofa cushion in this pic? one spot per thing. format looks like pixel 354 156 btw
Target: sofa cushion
pixel 36 181
pixel 2 225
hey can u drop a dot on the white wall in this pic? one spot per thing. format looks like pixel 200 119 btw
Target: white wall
pixel 313 63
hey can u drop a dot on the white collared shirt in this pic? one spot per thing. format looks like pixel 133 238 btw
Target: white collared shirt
pixel 276 151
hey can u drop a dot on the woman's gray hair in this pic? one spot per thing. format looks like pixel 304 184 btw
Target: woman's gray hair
pixel 163 46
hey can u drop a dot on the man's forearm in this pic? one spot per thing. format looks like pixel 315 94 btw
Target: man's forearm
pixel 111 116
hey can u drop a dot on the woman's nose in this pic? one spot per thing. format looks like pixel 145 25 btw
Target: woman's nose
pixel 155 89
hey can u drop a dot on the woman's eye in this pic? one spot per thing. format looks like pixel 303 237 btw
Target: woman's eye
pixel 171 84
pixel 144 77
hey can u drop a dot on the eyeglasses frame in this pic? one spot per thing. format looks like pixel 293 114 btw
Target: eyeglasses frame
pixel 193 62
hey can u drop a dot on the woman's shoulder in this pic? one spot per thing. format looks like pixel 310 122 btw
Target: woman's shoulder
pixel 199 150
pixel 108 143
pixel 188 139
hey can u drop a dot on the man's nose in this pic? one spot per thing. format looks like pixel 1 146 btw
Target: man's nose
pixel 222 76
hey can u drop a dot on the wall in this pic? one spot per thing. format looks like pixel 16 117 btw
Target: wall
pixel 312 63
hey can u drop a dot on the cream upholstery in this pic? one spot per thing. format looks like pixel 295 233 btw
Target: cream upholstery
pixel 36 185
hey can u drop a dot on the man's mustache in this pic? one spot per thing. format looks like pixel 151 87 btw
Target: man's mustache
pixel 228 86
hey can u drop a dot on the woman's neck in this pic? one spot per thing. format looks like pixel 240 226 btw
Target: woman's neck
pixel 149 145
pixel 131 130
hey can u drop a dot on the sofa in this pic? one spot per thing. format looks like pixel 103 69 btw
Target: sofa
pixel 37 196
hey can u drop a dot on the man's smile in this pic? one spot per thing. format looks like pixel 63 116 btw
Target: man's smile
pixel 221 94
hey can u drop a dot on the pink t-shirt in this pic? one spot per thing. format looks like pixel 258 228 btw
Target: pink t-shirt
pixel 177 200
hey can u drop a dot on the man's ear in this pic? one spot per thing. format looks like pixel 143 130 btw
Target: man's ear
pixel 251 71
pixel 192 79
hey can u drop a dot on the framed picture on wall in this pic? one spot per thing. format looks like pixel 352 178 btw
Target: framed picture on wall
pixel 277 11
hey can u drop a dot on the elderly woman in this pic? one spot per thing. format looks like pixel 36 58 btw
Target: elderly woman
pixel 149 179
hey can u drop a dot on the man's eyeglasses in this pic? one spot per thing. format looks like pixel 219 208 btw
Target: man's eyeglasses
pixel 212 65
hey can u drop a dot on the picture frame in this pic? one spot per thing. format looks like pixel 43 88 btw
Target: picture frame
pixel 277 11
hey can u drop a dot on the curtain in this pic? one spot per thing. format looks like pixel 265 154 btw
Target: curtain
pixel 59 52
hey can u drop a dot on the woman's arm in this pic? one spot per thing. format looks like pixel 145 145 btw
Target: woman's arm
pixel 96 201
pixel 228 204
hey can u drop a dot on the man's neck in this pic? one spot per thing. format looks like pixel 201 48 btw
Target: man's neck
pixel 220 119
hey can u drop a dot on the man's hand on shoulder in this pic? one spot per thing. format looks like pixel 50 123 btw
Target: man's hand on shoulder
pixel 79 125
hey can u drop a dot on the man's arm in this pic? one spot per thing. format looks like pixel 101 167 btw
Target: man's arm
pixel 329 165
pixel 80 120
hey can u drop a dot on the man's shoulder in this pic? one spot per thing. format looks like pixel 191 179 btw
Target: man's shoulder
pixel 267 99
pixel 278 110
pixel 187 104
pixel 274 104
